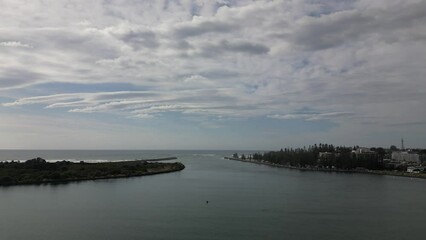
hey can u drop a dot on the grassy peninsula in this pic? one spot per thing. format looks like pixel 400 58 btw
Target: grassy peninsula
pixel 38 170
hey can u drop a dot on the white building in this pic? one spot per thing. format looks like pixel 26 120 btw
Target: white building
pixel 362 150
pixel 415 169
pixel 406 157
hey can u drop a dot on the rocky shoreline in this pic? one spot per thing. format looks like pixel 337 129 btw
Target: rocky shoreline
pixel 363 171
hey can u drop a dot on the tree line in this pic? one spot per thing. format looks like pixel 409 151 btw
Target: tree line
pixel 323 156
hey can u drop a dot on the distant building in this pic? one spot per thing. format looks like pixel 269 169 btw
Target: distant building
pixel 415 169
pixel 406 156
pixel 326 155
pixel 364 153
pixel 365 158
pixel 363 150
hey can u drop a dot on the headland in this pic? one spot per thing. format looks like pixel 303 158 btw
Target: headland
pixel 39 171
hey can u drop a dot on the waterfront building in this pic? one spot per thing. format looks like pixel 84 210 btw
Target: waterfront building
pixel 405 156
pixel 367 158
pixel 414 169
pixel 363 150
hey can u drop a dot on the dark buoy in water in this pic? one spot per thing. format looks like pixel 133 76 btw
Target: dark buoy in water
pixel 207 202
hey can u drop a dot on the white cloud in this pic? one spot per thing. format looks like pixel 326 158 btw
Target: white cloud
pixel 312 116
pixel 347 61
pixel 14 44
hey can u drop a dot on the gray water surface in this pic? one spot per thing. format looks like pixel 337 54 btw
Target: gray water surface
pixel 245 201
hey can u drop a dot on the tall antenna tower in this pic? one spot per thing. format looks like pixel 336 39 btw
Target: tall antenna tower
pixel 402 144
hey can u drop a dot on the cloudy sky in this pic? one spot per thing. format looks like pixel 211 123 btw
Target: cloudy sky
pixel 217 74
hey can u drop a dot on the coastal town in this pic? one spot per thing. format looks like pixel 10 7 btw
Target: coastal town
pixel 326 157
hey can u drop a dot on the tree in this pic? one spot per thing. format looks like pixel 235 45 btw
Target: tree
pixel 381 152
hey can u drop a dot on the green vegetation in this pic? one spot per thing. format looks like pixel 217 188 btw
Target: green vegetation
pixel 330 157
pixel 39 171
pixel 325 156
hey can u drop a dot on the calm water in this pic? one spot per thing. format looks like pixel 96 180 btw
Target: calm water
pixel 246 201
